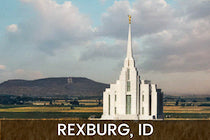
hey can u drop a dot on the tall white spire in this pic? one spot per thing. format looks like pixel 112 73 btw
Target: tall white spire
pixel 129 61
pixel 129 46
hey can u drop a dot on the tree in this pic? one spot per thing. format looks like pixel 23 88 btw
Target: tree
pixel 177 103
pixel 75 102
pixel 182 100
pixel 99 101
pixel 208 98
pixel 194 100
pixel 182 104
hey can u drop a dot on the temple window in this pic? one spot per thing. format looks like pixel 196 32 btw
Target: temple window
pixel 128 104
pixel 128 86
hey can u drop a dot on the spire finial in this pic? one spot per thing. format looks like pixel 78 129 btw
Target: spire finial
pixel 129 46
pixel 129 16
pixel 129 61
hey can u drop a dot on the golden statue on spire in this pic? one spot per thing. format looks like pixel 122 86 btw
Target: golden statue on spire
pixel 129 16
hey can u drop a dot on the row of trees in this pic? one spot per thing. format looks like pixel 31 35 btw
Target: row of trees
pixel 19 100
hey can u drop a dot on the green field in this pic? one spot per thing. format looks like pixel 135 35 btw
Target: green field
pixel 65 112
pixel 53 115
pixel 175 108
pixel 188 115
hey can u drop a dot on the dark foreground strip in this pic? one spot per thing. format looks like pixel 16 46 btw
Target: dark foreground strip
pixel 93 129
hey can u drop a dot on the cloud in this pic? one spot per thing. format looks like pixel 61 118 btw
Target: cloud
pixel 52 28
pixel 55 26
pixel 181 49
pixel 148 17
pixel 169 39
pixel 20 74
pixel 194 9
pixel 108 49
pixel 102 49
pixel 179 83
pixel 12 28
pixel 2 67
pixel 114 20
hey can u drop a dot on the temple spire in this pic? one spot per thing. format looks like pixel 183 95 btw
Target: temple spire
pixel 129 46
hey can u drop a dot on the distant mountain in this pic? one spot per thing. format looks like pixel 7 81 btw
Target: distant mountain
pixel 73 86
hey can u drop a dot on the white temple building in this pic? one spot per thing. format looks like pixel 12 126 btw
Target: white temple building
pixel 131 98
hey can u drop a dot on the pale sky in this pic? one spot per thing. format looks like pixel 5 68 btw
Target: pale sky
pixel 87 38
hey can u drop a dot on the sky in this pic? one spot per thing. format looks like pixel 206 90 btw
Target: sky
pixel 80 38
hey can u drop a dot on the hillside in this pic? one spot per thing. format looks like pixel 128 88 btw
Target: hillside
pixel 73 86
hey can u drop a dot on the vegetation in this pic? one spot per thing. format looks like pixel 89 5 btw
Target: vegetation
pixel 81 107
pixel 41 115
pixel 187 115
pixel 205 104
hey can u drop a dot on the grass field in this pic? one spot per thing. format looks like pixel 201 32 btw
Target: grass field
pixel 59 108
pixel 30 112
pixel 48 115
pixel 186 109
pixel 51 109
pixel 167 109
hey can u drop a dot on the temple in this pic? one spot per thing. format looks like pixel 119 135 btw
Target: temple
pixel 131 98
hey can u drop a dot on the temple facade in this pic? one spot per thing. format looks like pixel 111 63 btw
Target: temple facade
pixel 131 98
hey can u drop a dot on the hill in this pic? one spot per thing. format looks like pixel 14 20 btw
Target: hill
pixel 72 86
